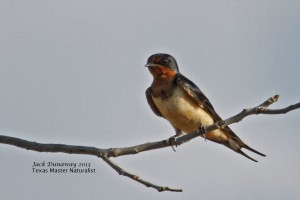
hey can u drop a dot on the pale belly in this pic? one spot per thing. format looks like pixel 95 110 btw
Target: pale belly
pixel 182 112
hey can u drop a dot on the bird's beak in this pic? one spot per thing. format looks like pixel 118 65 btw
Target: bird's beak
pixel 151 65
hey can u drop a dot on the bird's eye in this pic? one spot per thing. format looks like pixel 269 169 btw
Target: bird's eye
pixel 165 61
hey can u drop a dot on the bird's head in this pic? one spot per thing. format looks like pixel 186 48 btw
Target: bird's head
pixel 162 65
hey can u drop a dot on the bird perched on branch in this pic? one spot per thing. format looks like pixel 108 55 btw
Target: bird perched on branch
pixel 178 100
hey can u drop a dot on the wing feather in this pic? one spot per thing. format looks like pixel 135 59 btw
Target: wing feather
pixel 151 103
pixel 198 97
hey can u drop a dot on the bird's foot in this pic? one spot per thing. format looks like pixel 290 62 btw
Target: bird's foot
pixel 172 142
pixel 202 131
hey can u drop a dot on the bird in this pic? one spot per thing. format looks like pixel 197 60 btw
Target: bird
pixel 177 99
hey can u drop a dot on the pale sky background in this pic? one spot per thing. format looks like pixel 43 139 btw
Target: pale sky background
pixel 73 72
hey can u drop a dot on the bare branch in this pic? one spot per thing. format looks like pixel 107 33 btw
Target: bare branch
pixel 137 178
pixel 53 148
pixel 72 149
pixel 105 154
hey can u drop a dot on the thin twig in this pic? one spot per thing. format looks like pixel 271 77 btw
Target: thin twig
pixel 137 178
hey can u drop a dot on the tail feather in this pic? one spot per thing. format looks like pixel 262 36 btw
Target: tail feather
pixel 237 144
pixel 242 153
pixel 228 138
pixel 253 150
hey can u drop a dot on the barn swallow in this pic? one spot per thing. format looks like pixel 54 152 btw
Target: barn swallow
pixel 178 100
